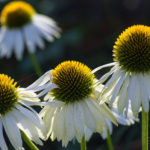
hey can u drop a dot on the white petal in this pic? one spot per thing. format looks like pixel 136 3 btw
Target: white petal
pixel 37 38
pixel 12 131
pixel 89 120
pixel 105 76
pixel 116 90
pixel 41 81
pixel 103 66
pixel 96 114
pixel 3 145
pixel 144 94
pixel 78 120
pixel 4 34
pixel 27 127
pixel 122 95
pixel 69 122
pixel 104 110
pixel 134 93
pixel 9 43
pixel 44 31
pixel 47 114
pixel 35 119
pixel 29 38
pixel 19 44
pixel 110 85
pixel 46 25
pixel 110 126
pixel 88 133
pixel 60 126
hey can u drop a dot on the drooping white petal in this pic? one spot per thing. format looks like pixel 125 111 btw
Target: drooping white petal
pixel 89 121
pixel 60 126
pixel 9 43
pixel 110 126
pixel 117 88
pixel 122 95
pixel 88 133
pixel 96 114
pixel 103 66
pixel 3 145
pixel 147 84
pixel 105 76
pixel 4 34
pixel 47 27
pixel 53 124
pixel 37 38
pixel 110 85
pixel 144 94
pixel 78 120
pixel 19 44
pixel 45 19
pixel 31 116
pixel 69 122
pixel 29 38
pixel 41 81
pixel 12 131
pixel 47 114
pixel 134 93
pixel 27 127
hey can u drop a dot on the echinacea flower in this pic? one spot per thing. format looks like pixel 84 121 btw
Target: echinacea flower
pixel 16 115
pixel 77 112
pixel 129 80
pixel 23 27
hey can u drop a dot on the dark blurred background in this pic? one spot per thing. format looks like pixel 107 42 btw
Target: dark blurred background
pixel 89 30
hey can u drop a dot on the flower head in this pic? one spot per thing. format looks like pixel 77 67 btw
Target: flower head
pixel 130 81
pixel 8 93
pixel 132 49
pixel 74 81
pixel 23 27
pixel 17 14
pixel 73 109
pixel 16 115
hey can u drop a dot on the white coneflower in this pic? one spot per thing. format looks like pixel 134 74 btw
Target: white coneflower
pixel 16 116
pixel 130 80
pixel 77 113
pixel 23 27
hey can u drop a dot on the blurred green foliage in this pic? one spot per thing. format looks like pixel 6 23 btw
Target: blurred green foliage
pixel 89 30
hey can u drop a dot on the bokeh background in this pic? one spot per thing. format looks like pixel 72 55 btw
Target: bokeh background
pixel 89 30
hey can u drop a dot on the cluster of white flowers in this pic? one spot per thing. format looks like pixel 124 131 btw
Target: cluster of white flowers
pixel 76 103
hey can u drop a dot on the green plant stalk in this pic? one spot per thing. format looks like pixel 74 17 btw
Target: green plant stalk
pixel 28 141
pixel 83 143
pixel 109 141
pixel 144 130
pixel 35 64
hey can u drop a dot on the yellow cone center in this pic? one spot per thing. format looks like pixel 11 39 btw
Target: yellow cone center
pixel 16 14
pixel 74 81
pixel 8 93
pixel 132 49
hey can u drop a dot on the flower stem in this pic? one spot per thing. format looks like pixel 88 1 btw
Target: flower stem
pixel 109 141
pixel 144 130
pixel 83 143
pixel 35 64
pixel 28 141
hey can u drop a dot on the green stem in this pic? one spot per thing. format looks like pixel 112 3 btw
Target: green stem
pixel 28 141
pixel 144 130
pixel 109 141
pixel 35 64
pixel 83 143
